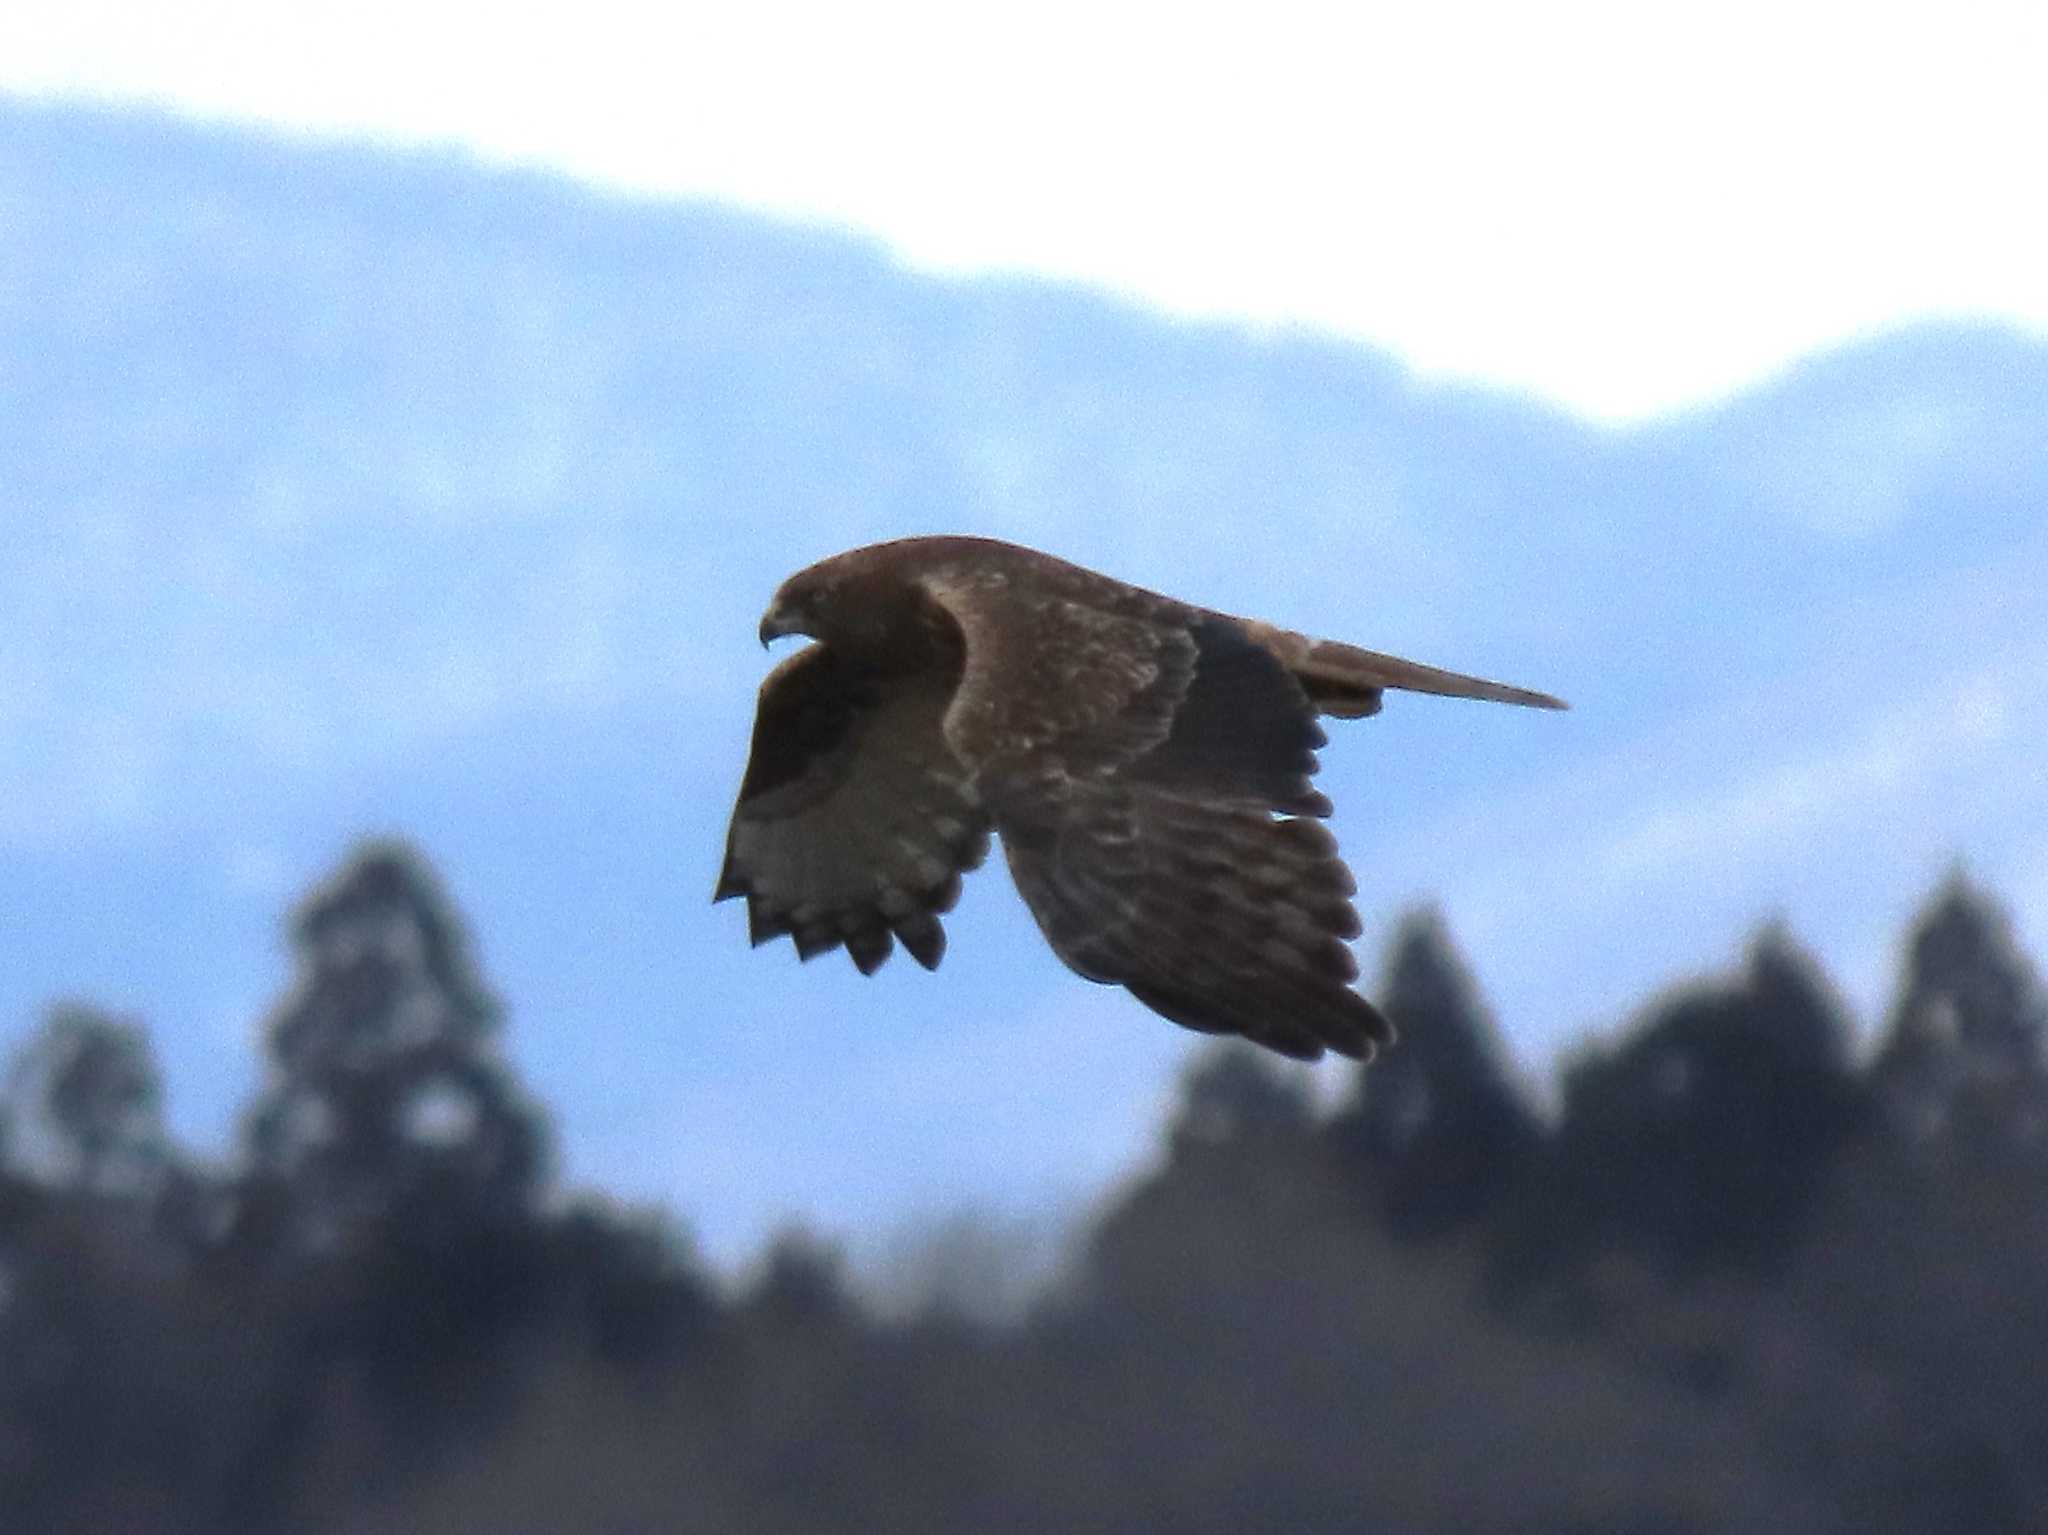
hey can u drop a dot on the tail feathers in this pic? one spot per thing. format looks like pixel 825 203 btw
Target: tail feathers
pixel 1346 673
pixel 1346 682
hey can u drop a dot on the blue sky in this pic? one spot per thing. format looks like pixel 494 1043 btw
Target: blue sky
pixel 1622 207
pixel 1618 214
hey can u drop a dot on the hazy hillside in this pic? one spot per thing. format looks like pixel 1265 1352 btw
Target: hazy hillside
pixel 346 491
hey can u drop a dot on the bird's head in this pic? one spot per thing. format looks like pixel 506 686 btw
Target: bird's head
pixel 804 604
pixel 841 601
pixel 782 619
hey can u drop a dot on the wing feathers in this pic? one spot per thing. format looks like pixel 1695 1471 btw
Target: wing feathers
pixel 854 823
pixel 1239 726
pixel 1217 916
pixel 1165 843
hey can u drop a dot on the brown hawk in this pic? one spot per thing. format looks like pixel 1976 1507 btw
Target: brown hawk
pixel 1146 763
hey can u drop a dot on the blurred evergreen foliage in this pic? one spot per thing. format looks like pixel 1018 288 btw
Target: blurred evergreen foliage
pixel 1737 1279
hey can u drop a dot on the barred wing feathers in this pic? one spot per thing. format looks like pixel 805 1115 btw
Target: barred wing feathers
pixel 854 822
pixel 1155 810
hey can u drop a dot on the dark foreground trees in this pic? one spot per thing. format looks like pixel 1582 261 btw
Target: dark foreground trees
pixel 1736 1281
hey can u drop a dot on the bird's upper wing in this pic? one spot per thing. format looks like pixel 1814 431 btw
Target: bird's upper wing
pixel 1149 774
pixel 854 820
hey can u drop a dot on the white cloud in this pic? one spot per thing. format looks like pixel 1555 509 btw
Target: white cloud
pixel 1623 207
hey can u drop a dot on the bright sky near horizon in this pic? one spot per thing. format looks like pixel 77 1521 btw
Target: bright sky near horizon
pixel 1622 207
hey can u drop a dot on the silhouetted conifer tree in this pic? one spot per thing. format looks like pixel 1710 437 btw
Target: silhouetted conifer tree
pixel 628 1281
pixel 85 1106
pixel 386 1091
pixel 1699 1140
pixel 1244 1177
pixel 1963 1049
pixel 801 1283
pixel 392 1168
pixel 1232 1099
pixel 1435 1126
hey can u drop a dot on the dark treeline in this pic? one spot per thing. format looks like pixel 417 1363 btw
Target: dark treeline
pixel 1740 1277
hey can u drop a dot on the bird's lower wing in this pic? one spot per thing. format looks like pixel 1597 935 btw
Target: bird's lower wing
pixel 853 824
pixel 1215 914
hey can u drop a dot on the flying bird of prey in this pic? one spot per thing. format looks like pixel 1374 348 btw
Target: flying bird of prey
pixel 1145 762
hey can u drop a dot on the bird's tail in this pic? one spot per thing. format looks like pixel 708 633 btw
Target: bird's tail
pixel 1346 682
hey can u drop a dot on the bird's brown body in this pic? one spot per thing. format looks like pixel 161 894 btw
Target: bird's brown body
pixel 1146 762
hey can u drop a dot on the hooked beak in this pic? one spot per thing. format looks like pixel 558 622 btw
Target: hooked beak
pixel 775 623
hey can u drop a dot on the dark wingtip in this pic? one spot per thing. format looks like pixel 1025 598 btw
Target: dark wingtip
pixel 1358 1030
pixel 943 896
pixel 1295 1046
pixel 812 941
pixel 1377 1032
pixel 763 924
pixel 925 940
pixel 868 948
